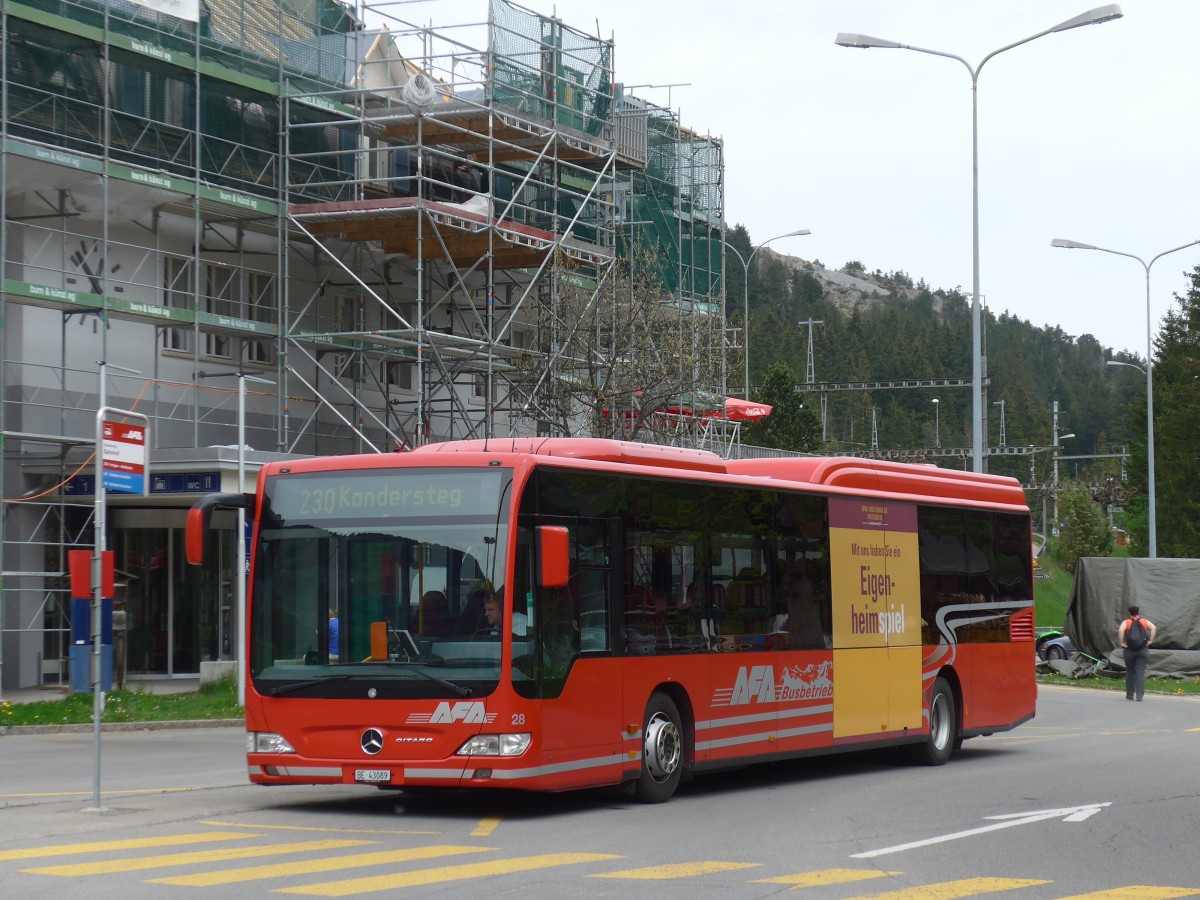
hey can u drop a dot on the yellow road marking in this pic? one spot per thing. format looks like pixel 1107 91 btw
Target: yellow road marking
pixel 827 876
pixel 314 828
pixel 186 859
pixel 310 866
pixel 444 874
pixel 486 827
pixel 1136 892
pixel 131 844
pixel 677 870
pixel 950 890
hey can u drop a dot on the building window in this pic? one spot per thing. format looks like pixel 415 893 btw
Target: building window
pixel 345 309
pixel 220 299
pixel 177 294
pixel 397 374
pixel 260 307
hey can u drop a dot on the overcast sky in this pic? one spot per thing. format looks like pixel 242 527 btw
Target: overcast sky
pixel 1090 134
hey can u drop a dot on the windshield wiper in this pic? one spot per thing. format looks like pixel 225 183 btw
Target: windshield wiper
pixel 301 685
pixel 458 689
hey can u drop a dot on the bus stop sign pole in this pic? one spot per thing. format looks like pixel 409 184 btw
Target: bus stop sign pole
pixel 121 465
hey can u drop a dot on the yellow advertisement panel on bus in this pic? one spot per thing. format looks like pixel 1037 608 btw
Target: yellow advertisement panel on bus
pixel 876 617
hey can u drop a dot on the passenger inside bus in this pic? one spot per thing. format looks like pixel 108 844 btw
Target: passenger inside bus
pixel 434 618
pixel 471 619
pixel 706 602
pixel 803 621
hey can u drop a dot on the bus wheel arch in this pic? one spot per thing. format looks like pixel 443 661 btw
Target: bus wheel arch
pixel 942 738
pixel 951 678
pixel 666 746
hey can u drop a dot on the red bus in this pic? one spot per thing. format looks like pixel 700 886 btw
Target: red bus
pixel 657 612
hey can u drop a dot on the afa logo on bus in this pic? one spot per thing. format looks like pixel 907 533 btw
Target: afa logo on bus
pixel 469 712
pixel 758 684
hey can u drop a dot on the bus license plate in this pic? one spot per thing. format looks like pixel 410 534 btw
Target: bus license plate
pixel 373 776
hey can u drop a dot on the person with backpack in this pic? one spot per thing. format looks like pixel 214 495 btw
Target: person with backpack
pixel 1135 636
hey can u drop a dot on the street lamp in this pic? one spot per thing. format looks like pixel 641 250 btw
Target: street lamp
pixel 243 553
pixel 1151 520
pixel 1114 362
pixel 1058 439
pixel 937 424
pixel 1092 17
pixel 746 292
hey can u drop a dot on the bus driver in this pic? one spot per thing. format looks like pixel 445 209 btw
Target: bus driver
pixel 493 608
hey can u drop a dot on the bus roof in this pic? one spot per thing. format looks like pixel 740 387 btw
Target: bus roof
pixel 840 473
pixel 597 449
pixel 883 475
pixel 850 473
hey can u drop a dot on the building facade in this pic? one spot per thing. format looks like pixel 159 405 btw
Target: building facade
pixel 299 228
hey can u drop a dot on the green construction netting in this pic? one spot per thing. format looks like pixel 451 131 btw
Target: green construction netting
pixel 546 69
pixel 305 40
pixel 677 201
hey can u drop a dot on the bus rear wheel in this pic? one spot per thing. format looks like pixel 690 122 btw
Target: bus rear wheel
pixel 662 751
pixel 942 739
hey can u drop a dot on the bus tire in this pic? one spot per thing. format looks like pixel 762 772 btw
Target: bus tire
pixel 942 739
pixel 662 751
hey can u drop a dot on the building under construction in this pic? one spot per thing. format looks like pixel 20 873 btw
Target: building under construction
pixel 300 227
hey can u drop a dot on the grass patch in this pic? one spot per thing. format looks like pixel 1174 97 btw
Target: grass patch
pixel 1050 594
pixel 217 700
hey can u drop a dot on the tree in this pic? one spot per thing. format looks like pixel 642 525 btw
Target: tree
pixel 1087 532
pixel 1176 408
pixel 614 354
pixel 791 425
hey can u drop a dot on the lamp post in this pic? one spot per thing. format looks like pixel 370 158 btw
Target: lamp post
pixel 1092 17
pixel 937 424
pixel 746 292
pixel 1151 522
pixel 243 553
pixel 1058 439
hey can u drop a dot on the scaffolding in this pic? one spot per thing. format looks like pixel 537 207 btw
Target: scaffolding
pixel 371 218
pixel 484 176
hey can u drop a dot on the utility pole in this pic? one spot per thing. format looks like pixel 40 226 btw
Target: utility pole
pixel 1054 448
pixel 810 375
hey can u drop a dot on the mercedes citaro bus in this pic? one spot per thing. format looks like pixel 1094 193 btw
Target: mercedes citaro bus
pixel 563 613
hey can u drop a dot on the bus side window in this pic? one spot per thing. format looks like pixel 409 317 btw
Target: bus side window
pixel 593 609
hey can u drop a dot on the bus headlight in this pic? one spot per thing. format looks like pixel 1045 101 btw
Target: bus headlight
pixel 267 742
pixel 495 745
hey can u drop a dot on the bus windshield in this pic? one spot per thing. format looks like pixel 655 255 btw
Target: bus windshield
pixel 348 563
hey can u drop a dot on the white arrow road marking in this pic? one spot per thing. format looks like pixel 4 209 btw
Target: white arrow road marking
pixel 1067 814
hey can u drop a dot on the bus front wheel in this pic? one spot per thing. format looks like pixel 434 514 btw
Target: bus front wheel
pixel 662 751
pixel 943 728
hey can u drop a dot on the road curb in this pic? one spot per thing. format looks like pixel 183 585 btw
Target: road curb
pixel 122 726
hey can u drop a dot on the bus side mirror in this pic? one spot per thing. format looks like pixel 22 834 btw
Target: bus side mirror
pixel 200 515
pixel 554 553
